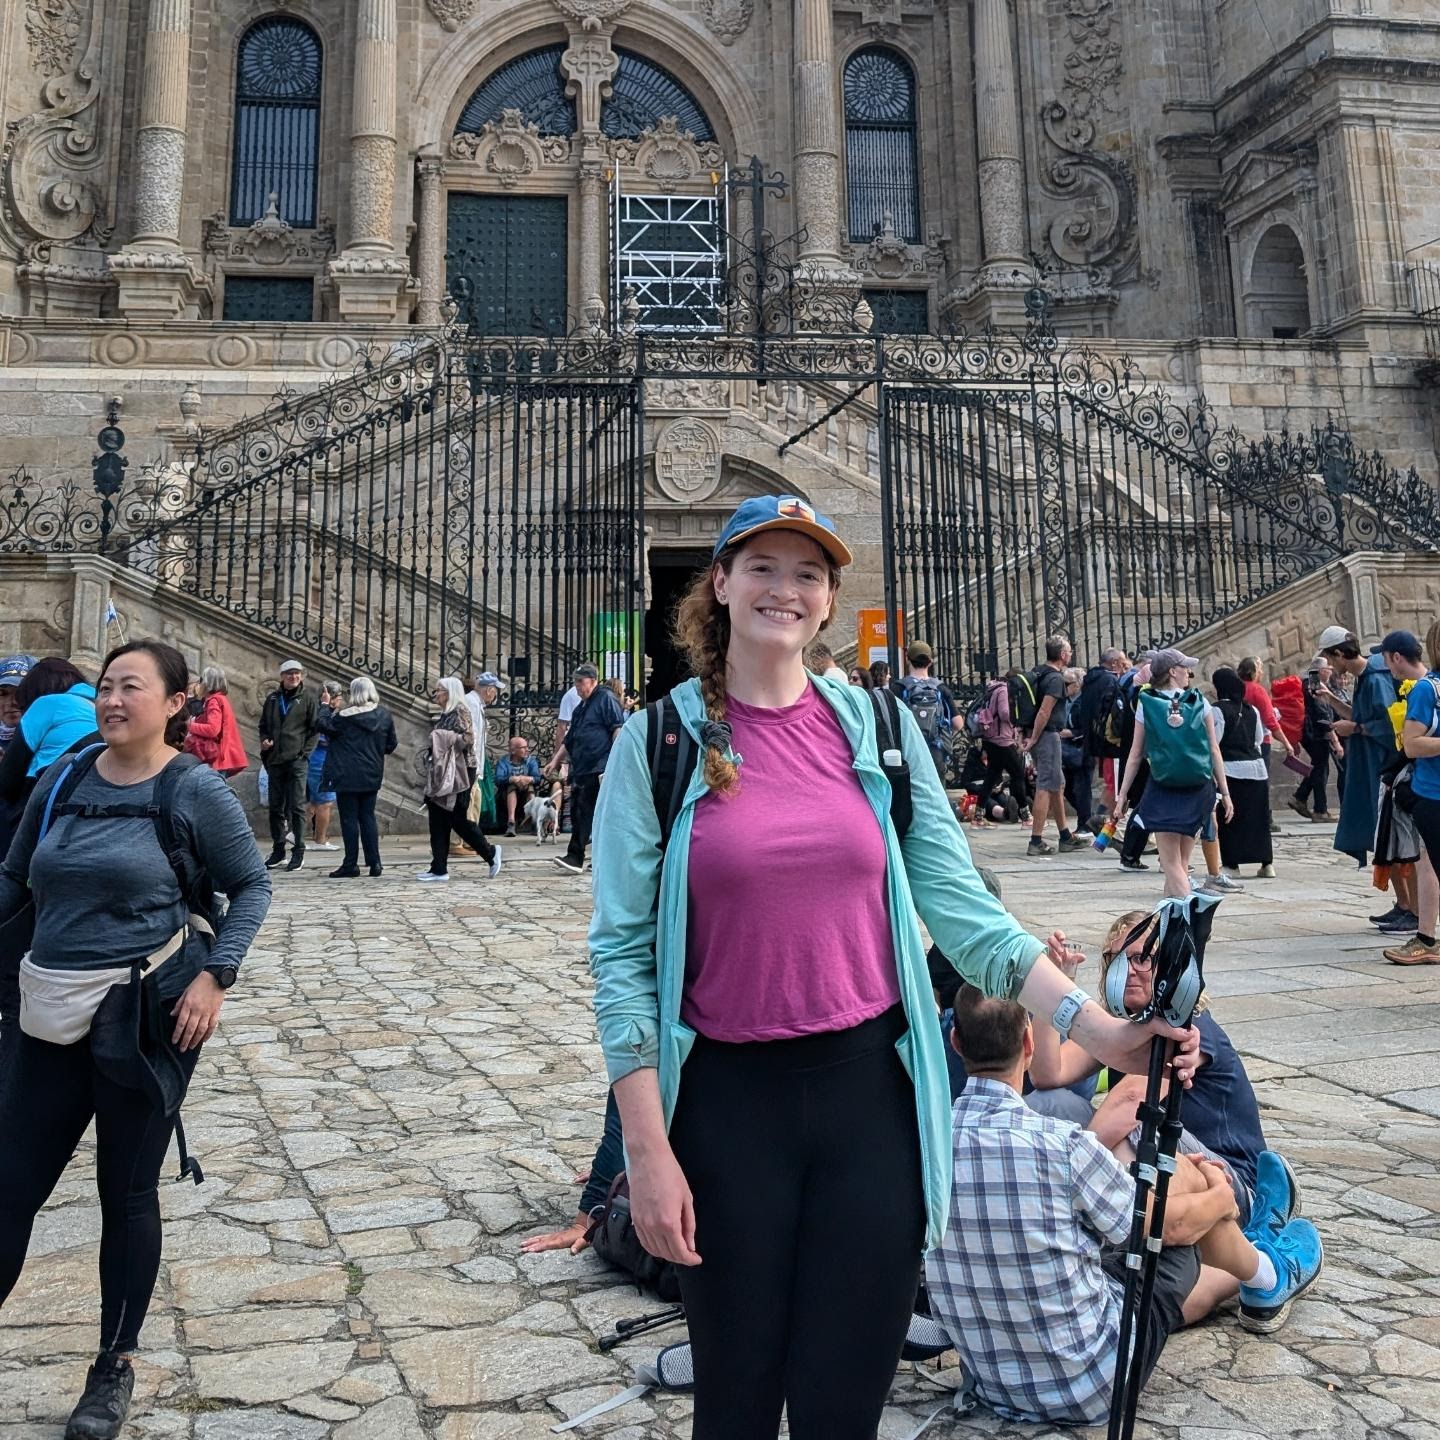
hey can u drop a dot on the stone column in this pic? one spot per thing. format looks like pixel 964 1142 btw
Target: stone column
pixel 370 279
pixel 594 243
pixel 431 240
pixel 997 292
pixel 831 286
pixel 155 277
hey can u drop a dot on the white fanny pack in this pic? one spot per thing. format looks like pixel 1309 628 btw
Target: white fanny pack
pixel 58 1006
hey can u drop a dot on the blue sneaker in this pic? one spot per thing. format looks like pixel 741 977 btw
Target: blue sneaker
pixel 1298 1257
pixel 1276 1201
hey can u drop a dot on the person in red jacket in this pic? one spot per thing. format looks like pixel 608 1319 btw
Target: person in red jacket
pixel 214 737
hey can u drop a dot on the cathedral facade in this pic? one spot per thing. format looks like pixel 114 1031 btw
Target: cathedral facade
pixel 204 202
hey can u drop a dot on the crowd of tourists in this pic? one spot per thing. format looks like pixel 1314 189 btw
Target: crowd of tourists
pixel 976 1108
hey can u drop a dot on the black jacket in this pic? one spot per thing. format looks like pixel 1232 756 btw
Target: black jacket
pixel 359 742
pixel 291 730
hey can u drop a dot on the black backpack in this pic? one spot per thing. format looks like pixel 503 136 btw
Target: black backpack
pixel 1023 704
pixel 927 704
pixel 670 749
pixel 612 1236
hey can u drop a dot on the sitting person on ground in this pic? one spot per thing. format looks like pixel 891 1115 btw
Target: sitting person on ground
pixel 609 1161
pixel 1029 1278
pixel 1221 1113
pixel 518 780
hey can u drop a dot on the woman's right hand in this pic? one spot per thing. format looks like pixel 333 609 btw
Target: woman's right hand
pixel 662 1208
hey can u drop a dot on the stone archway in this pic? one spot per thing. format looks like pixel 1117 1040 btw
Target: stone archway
pixel 1277 292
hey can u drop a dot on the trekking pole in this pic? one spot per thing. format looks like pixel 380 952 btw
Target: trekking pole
pixel 1136 1250
pixel 1169 1142
pixel 628 1329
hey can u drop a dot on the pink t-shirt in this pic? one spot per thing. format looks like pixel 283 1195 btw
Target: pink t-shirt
pixel 789 927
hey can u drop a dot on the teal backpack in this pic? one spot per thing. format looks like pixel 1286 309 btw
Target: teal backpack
pixel 1177 741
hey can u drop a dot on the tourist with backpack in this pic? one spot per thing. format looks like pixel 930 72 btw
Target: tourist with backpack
pixel 932 705
pixel 1175 737
pixel 1094 710
pixel 999 741
pixel 763 1000
pixel 1041 739
pixel 121 850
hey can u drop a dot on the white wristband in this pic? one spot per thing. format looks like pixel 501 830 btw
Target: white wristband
pixel 1067 1010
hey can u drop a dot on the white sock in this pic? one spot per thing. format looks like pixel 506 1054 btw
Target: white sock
pixel 1264 1277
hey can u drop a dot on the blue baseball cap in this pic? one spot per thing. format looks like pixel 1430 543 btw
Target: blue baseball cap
pixel 14 668
pixel 782 512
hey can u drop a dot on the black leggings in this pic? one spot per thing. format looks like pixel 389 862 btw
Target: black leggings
pixel 804 1160
pixel 48 1096
pixel 442 822
pixel 1002 760
pixel 1427 821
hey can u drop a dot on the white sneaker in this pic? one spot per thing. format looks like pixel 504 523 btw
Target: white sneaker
pixel 431 876
pixel 566 863
pixel 1223 885
pixel 328 845
pixel 495 863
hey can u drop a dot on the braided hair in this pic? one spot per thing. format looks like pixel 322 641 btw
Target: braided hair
pixel 702 634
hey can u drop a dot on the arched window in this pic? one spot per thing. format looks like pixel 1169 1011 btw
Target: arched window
pixel 1277 300
pixel 880 153
pixel 277 122
pixel 531 84
pixel 642 95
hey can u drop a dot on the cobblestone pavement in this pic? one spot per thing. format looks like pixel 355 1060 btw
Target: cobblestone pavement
pixel 408 1077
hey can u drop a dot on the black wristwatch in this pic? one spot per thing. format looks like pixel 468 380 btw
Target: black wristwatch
pixel 225 975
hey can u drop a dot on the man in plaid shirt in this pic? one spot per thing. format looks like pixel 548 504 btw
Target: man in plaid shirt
pixel 1030 1276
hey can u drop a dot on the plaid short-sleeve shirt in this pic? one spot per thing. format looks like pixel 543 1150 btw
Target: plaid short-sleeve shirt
pixel 1017 1280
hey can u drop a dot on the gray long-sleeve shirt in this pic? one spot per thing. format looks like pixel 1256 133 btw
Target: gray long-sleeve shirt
pixel 104 892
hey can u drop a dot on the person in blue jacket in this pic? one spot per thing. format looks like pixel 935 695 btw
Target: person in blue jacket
pixel 801 1169
pixel 57 712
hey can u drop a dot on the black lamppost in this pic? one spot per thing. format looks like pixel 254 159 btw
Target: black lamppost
pixel 109 467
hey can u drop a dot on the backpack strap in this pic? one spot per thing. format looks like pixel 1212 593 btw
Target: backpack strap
pixel 670 749
pixel 81 763
pixel 887 720
pixel 167 784
pixel 887 737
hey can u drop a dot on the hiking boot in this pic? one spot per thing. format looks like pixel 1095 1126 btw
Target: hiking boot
pixel 1070 843
pixel 297 858
pixel 575 867
pixel 102 1409
pixel 275 857
pixel 1298 1257
pixel 1039 847
pixel 1133 865
pixel 1276 1201
pixel 510 831
pixel 1390 914
pixel 495 863
pixel 1414 952
pixel 1404 923
pixel 1299 807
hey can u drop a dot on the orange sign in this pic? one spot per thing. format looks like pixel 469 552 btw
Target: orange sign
pixel 874 638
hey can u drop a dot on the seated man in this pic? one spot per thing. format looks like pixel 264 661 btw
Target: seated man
pixel 518 778
pixel 1029 1278
pixel 1221 1114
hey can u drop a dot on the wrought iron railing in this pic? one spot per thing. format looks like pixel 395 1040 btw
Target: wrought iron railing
pixel 460 503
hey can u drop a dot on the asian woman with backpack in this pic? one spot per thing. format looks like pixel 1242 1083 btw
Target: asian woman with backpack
pixel 763 1000
pixel 1175 735
pixel 120 850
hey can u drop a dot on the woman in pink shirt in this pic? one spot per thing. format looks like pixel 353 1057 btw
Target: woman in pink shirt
pixel 771 948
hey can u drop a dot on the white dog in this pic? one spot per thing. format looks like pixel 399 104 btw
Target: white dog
pixel 543 813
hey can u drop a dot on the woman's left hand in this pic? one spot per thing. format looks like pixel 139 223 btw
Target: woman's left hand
pixel 197 1012
pixel 1227 809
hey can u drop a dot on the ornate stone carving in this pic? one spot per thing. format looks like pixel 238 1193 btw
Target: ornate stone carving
pixel 589 65
pixel 687 461
pixel 728 19
pixel 372 187
pixel 667 155
pixel 452 14
pixel 889 256
pixel 509 149
pixel 270 240
pixel 159 175
pixel 687 395
pixel 53 28
pixel 1096 230
pixel 592 14
pixel 52 161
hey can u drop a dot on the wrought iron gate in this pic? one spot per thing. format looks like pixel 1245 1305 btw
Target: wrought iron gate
pixel 457 509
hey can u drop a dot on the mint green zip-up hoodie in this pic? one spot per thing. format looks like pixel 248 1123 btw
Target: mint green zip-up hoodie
pixel 637 946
